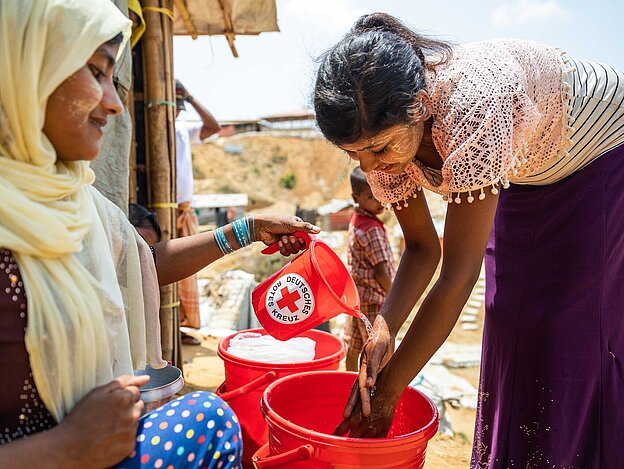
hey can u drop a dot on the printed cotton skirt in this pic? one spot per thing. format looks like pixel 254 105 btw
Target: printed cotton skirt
pixel 195 431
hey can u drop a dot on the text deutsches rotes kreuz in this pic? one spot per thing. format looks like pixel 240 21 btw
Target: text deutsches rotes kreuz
pixel 290 299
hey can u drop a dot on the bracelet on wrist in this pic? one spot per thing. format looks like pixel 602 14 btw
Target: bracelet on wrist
pixel 241 231
pixel 222 242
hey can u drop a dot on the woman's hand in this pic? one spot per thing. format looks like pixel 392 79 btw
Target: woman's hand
pixel 179 258
pixel 100 431
pixel 272 229
pixel 381 403
pixel 364 404
pixel 182 91
pixel 376 353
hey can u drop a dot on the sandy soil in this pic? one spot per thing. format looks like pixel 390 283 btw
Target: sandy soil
pixel 320 169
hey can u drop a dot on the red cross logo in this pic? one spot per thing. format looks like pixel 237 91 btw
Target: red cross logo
pixel 288 300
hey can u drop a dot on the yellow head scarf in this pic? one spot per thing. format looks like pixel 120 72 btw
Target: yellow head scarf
pixel 135 7
pixel 77 334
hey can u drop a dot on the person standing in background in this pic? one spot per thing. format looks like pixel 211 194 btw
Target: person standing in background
pixel 370 260
pixel 188 133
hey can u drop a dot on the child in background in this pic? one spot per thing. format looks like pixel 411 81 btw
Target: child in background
pixel 370 262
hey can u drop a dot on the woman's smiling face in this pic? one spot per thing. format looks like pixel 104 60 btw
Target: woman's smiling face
pixel 78 109
pixel 389 151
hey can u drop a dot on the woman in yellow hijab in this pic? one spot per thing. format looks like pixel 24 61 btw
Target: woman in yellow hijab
pixel 78 286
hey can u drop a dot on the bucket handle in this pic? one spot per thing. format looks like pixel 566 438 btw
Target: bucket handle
pixel 268 377
pixel 273 248
pixel 302 453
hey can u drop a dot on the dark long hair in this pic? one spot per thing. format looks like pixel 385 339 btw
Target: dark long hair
pixel 367 82
pixel 141 217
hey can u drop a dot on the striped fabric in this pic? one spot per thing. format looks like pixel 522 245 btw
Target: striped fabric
pixel 597 117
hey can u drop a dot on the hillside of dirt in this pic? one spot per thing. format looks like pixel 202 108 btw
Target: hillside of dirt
pixel 272 169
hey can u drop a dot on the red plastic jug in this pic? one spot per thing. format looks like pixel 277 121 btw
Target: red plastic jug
pixel 309 290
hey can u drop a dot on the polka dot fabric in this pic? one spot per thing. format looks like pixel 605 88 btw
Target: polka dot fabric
pixel 197 430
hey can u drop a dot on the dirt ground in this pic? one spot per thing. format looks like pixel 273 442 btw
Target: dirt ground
pixel 256 164
pixel 454 452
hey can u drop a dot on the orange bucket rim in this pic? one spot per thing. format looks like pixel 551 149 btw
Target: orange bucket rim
pixel 428 431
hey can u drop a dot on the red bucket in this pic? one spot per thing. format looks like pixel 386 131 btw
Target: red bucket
pixel 245 380
pixel 303 410
pixel 309 290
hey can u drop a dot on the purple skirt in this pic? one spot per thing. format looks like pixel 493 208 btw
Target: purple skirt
pixel 551 391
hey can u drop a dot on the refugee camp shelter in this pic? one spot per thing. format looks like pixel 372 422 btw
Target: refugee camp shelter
pixel 292 122
pixel 297 121
pixel 229 18
pixel 335 215
pixel 214 209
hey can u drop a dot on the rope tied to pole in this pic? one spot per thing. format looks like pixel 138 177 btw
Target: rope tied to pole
pixel 164 11
pixel 163 205
pixel 157 102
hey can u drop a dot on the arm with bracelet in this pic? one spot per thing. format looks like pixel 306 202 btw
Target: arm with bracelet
pixel 179 258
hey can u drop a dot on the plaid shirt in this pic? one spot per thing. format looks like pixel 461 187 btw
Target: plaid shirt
pixel 368 246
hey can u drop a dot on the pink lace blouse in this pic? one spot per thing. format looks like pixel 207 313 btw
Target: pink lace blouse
pixel 500 112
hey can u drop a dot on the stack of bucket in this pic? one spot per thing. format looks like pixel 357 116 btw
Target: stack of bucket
pixel 246 380
pixel 288 412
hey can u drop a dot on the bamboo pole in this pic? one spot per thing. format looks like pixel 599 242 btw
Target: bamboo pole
pixel 229 29
pixel 171 116
pixel 132 163
pixel 186 18
pixel 160 155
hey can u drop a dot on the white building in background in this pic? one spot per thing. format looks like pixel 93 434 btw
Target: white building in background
pixel 219 209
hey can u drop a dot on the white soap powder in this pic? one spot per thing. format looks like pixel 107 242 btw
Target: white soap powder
pixel 264 348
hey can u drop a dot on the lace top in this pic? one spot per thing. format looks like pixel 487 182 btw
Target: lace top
pixel 499 113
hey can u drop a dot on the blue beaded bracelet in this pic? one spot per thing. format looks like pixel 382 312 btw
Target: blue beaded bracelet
pixel 221 247
pixel 222 242
pixel 241 231
pixel 246 220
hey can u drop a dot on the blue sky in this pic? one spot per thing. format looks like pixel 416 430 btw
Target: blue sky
pixel 275 71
